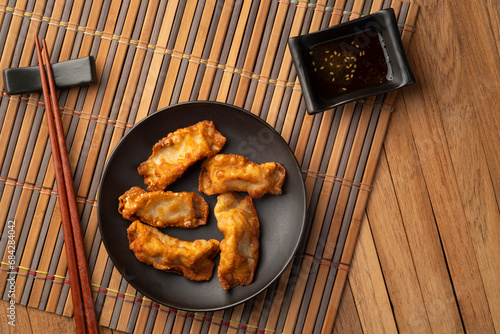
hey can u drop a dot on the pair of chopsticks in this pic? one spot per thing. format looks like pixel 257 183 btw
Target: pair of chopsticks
pixel 81 293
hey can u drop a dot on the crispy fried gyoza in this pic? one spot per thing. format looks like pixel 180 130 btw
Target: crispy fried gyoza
pixel 191 259
pixel 229 172
pixel 238 221
pixel 173 154
pixel 164 208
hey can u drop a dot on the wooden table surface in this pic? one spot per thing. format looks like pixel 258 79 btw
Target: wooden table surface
pixel 428 256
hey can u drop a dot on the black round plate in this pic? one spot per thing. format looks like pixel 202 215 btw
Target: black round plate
pixel 281 217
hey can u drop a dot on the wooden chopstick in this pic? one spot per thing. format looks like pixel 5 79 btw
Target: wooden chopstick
pixel 81 293
pixel 70 193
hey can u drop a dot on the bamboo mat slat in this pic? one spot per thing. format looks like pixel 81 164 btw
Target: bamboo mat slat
pixel 153 54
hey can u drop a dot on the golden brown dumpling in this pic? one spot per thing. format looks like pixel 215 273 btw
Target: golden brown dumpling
pixel 173 154
pixel 191 259
pixel 162 209
pixel 238 221
pixel 230 172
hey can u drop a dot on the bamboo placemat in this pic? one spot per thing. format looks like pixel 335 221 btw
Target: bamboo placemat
pixel 151 54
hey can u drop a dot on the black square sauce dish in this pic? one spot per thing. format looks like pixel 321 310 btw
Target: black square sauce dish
pixel 350 61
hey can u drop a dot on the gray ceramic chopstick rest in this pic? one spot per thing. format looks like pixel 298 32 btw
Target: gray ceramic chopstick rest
pixel 69 73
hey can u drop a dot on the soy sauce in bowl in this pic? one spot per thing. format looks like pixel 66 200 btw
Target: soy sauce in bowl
pixel 350 63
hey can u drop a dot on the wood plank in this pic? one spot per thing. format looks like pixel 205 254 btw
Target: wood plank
pixel 17 319
pixel 477 164
pixel 438 168
pixel 57 323
pixel 395 256
pixel 480 67
pixel 347 319
pixel 420 225
pixel 367 284
pixel 30 320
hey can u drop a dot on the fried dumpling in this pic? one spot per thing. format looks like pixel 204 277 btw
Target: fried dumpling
pixel 164 208
pixel 173 154
pixel 238 221
pixel 191 259
pixel 230 172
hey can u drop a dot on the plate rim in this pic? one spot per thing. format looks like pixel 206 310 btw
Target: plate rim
pixel 302 191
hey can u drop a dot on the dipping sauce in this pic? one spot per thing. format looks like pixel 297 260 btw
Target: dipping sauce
pixel 349 63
